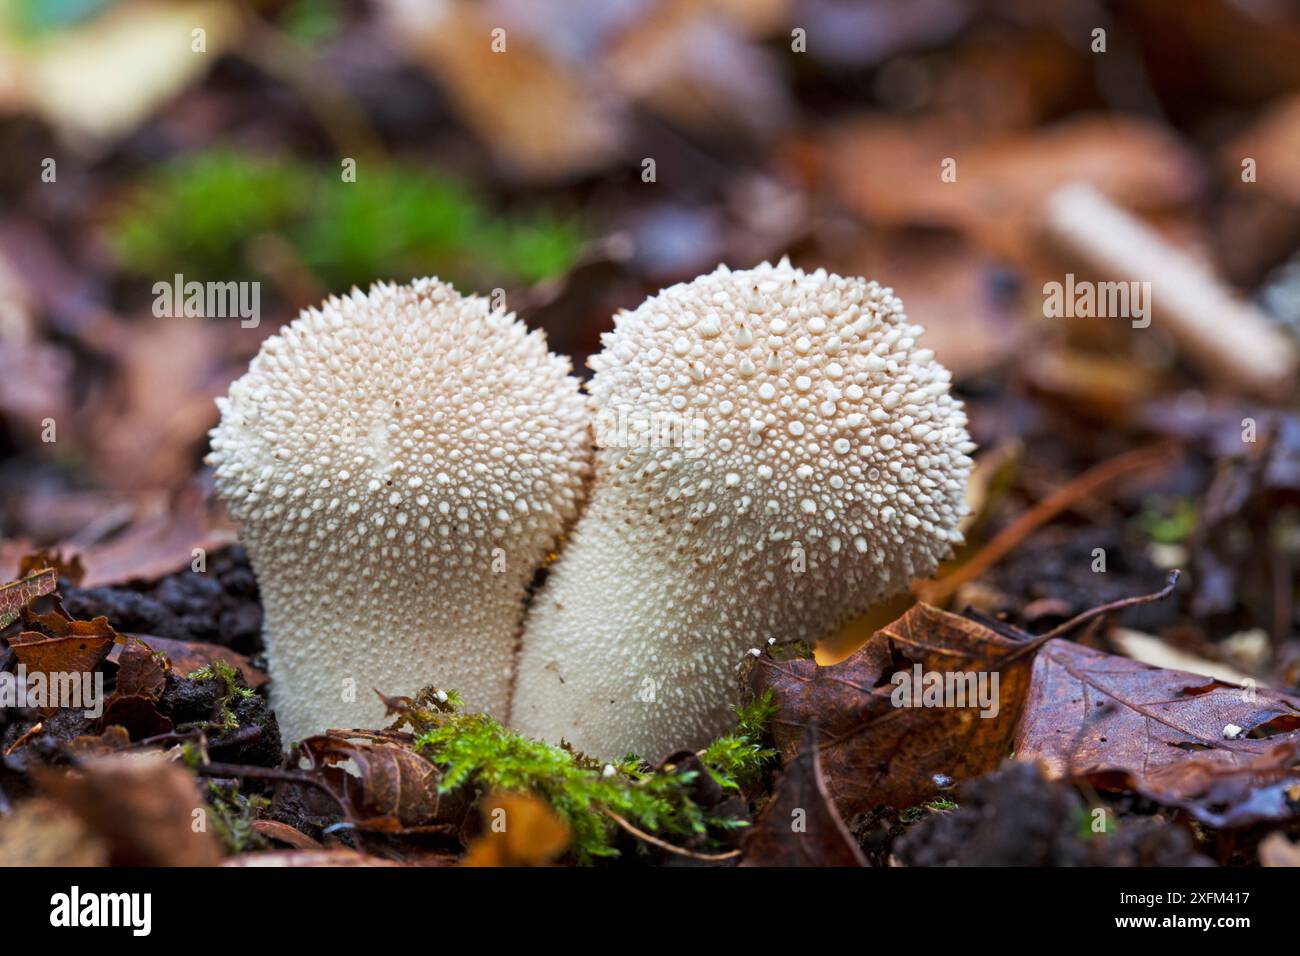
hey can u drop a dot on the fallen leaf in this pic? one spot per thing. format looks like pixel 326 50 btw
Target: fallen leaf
pixel 1181 738
pixel 139 671
pixel 157 545
pixel 283 833
pixel 518 830
pixel 16 595
pixel 76 647
pixel 800 826
pixel 69 568
pixel 137 715
pixel 141 805
pixel 1262 789
pixel 889 171
pixel 41 832
pixel 113 738
pixel 186 657
pixel 535 110
pixel 1149 649
pixel 145 47
pixel 875 752
pixel 397 790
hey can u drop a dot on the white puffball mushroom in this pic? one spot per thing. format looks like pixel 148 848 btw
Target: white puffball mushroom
pixel 775 453
pixel 401 461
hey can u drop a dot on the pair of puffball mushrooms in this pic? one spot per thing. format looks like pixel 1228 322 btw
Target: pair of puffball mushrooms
pixel 773 453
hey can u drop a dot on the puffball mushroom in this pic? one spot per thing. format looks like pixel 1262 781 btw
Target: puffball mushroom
pixel 401 461
pixel 775 453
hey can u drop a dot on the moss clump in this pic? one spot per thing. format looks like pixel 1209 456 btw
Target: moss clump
pixel 233 814
pixel 476 752
pixel 198 215
pixel 220 670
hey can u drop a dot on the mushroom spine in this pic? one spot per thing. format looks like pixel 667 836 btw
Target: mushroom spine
pixel 775 453
pixel 401 461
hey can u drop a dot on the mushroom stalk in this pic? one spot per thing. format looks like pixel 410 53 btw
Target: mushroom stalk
pixel 401 462
pixel 775 453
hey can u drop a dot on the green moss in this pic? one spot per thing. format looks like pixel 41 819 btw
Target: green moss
pixel 220 670
pixel 198 216
pixel 195 216
pixel 476 752
pixel 1170 522
pixel 232 815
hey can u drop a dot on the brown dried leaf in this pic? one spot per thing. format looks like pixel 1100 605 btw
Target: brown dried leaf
pixel 283 833
pixel 16 595
pixel 69 568
pixel 75 647
pixel 113 738
pixel 397 791
pixel 41 832
pixel 156 546
pixel 1226 753
pixel 889 171
pixel 137 715
pixel 185 657
pixel 874 752
pixel 141 805
pixel 800 826
pixel 140 671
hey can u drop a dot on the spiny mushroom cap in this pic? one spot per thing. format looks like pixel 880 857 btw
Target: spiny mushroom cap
pixel 775 453
pixel 800 413
pixel 401 461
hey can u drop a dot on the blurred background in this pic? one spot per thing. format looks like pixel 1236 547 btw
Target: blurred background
pixel 582 154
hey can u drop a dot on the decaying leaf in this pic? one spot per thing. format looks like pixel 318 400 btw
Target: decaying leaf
pixel 518 830
pixel 874 752
pixel 185 657
pixel 15 595
pixel 397 791
pixel 1226 753
pixel 41 832
pixel 141 805
pixel 800 826
pixel 140 670
pixel 283 833
pixel 69 647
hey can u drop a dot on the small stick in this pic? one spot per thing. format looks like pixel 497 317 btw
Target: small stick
pixel 1010 537
pixel 1228 338
pixel 1078 619
pixel 655 841
pixel 1031 646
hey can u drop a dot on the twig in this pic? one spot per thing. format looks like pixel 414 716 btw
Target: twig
pixel 1087 484
pixel 655 841
pixel 238 771
pixel 1227 337
pixel 1078 619
pixel 1041 639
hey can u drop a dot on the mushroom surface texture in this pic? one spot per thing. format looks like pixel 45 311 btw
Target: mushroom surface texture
pixel 775 453
pixel 401 461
